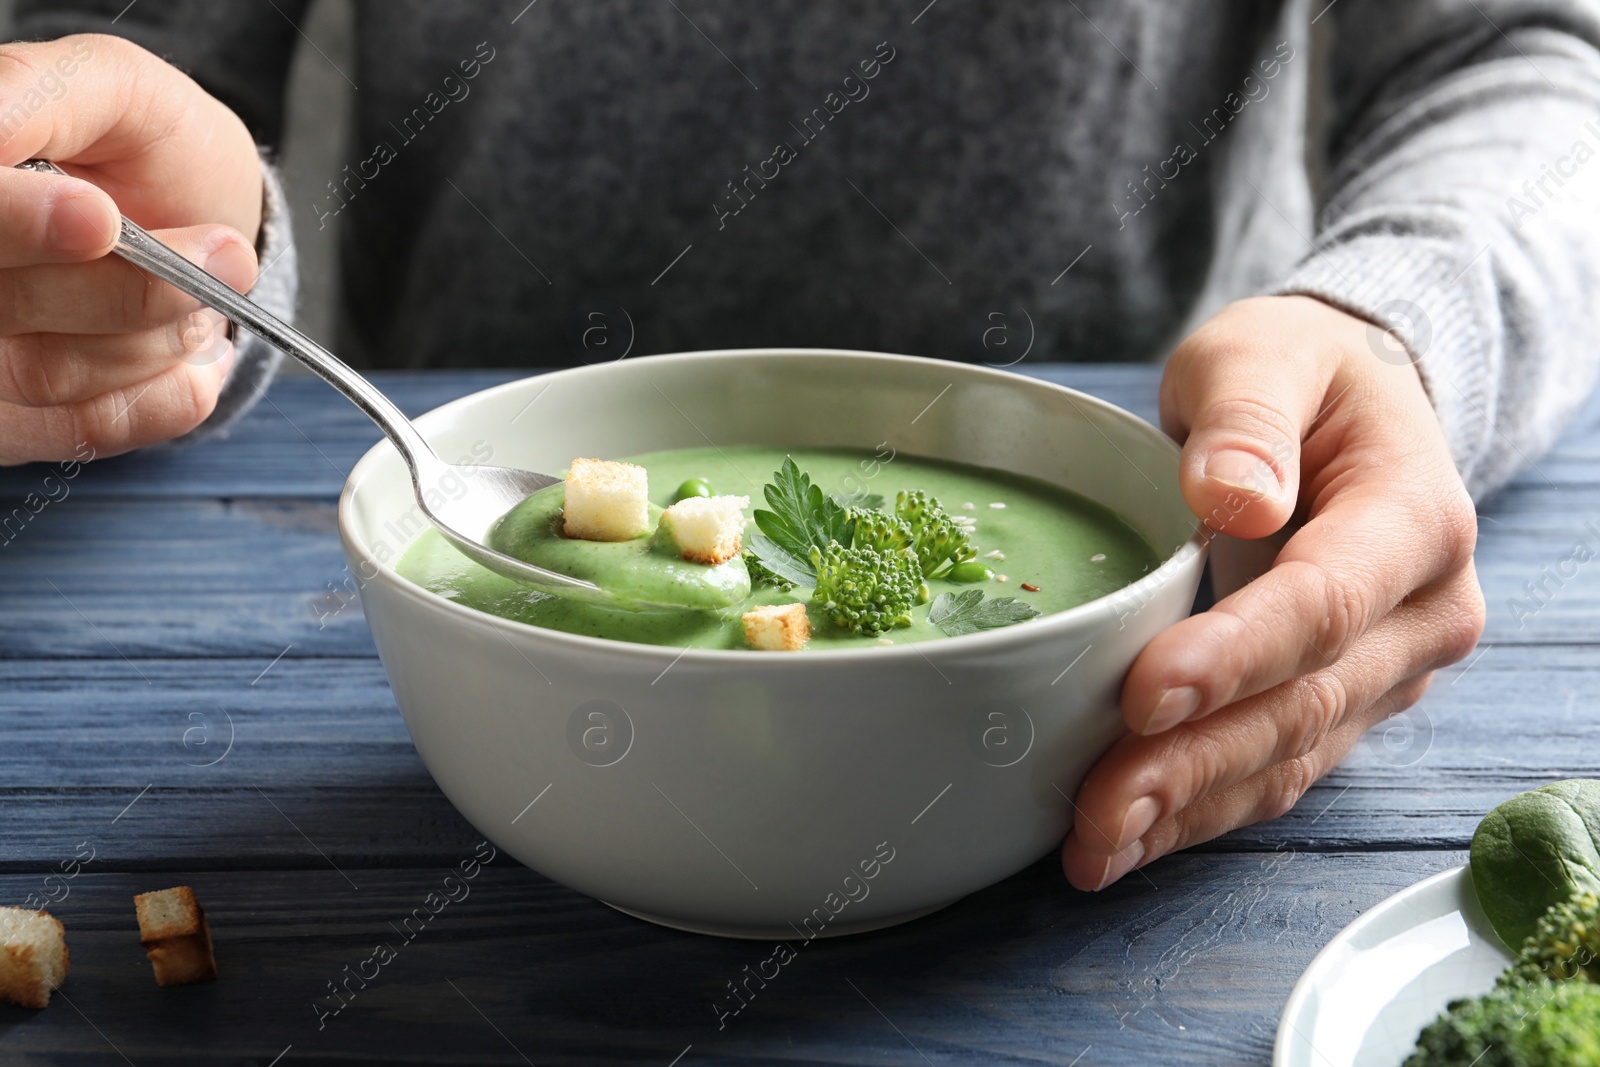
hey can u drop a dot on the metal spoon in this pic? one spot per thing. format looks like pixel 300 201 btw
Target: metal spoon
pixel 465 523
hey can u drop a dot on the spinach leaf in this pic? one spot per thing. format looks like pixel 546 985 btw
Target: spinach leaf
pixel 1537 849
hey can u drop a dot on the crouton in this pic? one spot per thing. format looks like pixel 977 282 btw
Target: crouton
pixel 606 501
pixel 33 956
pixel 777 627
pixel 173 931
pixel 706 529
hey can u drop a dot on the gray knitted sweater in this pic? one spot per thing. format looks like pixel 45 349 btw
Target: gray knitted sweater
pixel 972 180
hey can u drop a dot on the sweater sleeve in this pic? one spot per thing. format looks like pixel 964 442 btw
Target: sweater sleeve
pixel 1459 210
pixel 277 285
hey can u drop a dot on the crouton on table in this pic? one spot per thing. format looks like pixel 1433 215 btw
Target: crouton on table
pixel 606 501
pixel 706 529
pixel 33 956
pixel 777 627
pixel 175 936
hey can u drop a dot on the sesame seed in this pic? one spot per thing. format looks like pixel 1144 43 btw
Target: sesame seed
pixel 997 504
pixel 884 641
pixel 996 554
pixel 1002 577
pixel 969 506
pixel 1098 557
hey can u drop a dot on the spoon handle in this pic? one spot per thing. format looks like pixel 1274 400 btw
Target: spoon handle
pixel 144 251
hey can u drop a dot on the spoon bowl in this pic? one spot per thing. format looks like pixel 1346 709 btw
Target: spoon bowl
pixel 464 522
pixel 467 521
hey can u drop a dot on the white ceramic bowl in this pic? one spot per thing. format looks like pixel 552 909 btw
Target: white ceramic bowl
pixel 773 795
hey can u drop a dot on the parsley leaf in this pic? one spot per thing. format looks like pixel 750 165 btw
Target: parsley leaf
pixel 969 611
pixel 864 501
pixel 790 568
pixel 802 518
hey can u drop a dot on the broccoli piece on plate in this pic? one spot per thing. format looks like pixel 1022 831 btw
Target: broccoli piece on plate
pixel 866 591
pixel 1565 944
pixel 1519 1024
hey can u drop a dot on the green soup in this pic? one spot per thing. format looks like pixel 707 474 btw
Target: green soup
pixel 1065 548
pixel 648 570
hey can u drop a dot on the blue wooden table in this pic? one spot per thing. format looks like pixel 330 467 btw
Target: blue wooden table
pixel 189 695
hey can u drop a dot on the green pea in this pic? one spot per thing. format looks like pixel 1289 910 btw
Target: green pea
pixel 970 571
pixel 692 487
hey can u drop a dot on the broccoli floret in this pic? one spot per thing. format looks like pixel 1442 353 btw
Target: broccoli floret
pixel 1566 943
pixel 878 531
pixel 761 574
pixel 867 591
pixel 1519 1024
pixel 939 540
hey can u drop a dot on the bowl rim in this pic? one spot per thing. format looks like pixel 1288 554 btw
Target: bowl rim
pixel 1036 630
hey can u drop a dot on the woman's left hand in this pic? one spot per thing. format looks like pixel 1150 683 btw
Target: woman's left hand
pixel 1294 417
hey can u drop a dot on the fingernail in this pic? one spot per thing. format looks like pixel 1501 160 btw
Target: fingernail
pixel 1241 470
pixel 234 264
pixel 1142 815
pixel 1174 707
pixel 80 221
pixel 1120 863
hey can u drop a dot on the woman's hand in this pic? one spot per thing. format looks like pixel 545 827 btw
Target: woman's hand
pixel 92 351
pixel 1289 421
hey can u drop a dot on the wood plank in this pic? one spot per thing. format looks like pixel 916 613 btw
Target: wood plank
pixel 322 740
pixel 300 441
pixel 202 594
pixel 160 576
pixel 1538 560
pixel 249 625
pixel 1192 965
pixel 252 576
pixel 140 577
pixel 185 547
pixel 304 438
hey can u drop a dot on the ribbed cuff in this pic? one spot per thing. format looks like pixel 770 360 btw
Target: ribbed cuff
pixel 1433 297
pixel 277 288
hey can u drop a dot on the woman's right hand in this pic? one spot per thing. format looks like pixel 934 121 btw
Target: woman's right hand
pixel 94 354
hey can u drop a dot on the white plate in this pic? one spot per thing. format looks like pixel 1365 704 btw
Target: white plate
pixel 1365 997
